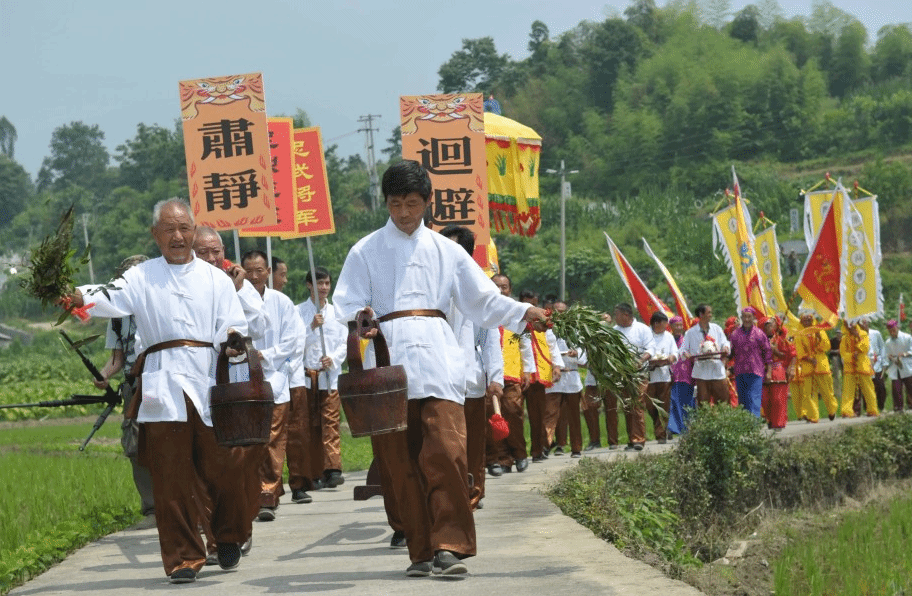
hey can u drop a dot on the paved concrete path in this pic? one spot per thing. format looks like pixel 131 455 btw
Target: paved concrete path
pixel 338 546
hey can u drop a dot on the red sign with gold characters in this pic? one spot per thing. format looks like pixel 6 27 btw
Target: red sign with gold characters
pixel 280 148
pixel 313 207
pixel 446 134
pixel 226 140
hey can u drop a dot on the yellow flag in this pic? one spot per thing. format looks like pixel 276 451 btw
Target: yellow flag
pixel 770 272
pixel 863 295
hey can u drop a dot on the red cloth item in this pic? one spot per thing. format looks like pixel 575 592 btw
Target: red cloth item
pixel 499 428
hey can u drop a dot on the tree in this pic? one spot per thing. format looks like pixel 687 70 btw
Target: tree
pixel 851 63
pixel 613 47
pixel 746 25
pixel 15 189
pixel 892 55
pixel 476 67
pixel 768 13
pixel 393 150
pixel 827 18
pixel 301 119
pixel 715 12
pixel 643 15
pixel 155 153
pixel 78 156
pixel 8 137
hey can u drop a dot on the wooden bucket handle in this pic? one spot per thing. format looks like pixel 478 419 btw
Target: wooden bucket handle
pixel 362 324
pixel 256 368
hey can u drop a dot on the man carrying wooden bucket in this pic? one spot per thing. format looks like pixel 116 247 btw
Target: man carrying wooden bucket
pixel 409 276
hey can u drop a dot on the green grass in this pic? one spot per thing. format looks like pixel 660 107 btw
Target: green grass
pixel 865 554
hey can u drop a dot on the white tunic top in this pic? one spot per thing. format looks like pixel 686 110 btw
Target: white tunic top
pixel 711 368
pixel 483 355
pixel 390 271
pixel 335 335
pixel 664 344
pixel 190 301
pixel 570 379
pixel 281 343
pixel 900 346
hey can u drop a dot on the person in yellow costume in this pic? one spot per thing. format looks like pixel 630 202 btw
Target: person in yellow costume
pixel 857 372
pixel 813 371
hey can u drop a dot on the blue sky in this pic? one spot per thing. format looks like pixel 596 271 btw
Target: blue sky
pixel 117 63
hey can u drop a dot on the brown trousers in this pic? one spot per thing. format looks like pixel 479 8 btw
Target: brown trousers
pixel 536 405
pixel 424 472
pixel 182 457
pixel 513 448
pixel 570 417
pixel 274 458
pixel 301 437
pixel 476 434
pixel 593 396
pixel 325 437
pixel 591 401
pixel 712 389
pixel 897 387
pixel 658 395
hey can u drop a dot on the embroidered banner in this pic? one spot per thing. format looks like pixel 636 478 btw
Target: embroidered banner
pixel 769 265
pixel 283 183
pixel 313 206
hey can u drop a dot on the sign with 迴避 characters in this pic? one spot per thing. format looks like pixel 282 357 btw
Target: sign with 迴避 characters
pixel 313 208
pixel 445 133
pixel 283 182
pixel 226 140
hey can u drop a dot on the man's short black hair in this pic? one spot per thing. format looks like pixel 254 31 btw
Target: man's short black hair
pixel 657 317
pixel 701 308
pixel 322 273
pixel 505 276
pixel 404 178
pixel 462 235
pixel 527 295
pixel 252 254
pixel 624 307
pixel 276 261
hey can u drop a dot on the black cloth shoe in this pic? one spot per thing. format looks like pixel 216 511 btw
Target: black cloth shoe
pixel 317 483
pixel 266 514
pixel 333 478
pixel 630 447
pixel 229 555
pixel 522 465
pixel 558 450
pixel 184 575
pixel 446 563
pixel 245 548
pixel 576 455
pixel 593 445
pixel 212 559
pixel 495 470
pixel 506 469
pixel 398 540
pixel 420 569
pixel 638 446
pixel 299 495
pixel 537 459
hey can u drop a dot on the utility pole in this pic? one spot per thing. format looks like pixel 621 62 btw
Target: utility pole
pixel 85 234
pixel 371 160
pixel 564 195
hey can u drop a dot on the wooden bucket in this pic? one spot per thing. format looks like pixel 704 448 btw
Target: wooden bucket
pixel 241 412
pixel 375 400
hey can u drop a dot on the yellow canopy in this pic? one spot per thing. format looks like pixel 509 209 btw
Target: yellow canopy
pixel 513 154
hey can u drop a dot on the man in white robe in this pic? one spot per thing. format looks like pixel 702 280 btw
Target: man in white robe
pixel 278 347
pixel 409 276
pixel 180 299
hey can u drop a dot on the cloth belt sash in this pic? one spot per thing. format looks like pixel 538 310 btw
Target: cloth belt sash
pixel 415 312
pixel 140 364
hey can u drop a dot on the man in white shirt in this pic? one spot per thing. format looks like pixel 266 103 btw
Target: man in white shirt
pixel 708 372
pixel 568 389
pixel 324 333
pixel 183 309
pixel 899 357
pixel 658 391
pixel 277 349
pixel 409 276
pixel 639 337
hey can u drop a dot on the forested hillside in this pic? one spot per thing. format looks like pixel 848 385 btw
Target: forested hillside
pixel 652 107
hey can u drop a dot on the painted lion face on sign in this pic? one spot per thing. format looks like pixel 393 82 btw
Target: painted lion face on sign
pixel 438 108
pixel 221 91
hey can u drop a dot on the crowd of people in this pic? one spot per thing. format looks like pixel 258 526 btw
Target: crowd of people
pixel 469 349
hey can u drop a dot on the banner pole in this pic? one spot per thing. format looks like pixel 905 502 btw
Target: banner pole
pixel 314 294
pixel 237 247
pixel 269 259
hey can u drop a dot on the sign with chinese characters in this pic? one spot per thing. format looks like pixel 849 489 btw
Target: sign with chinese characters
pixel 283 182
pixel 226 141
pixel 445 133
pixel 313 207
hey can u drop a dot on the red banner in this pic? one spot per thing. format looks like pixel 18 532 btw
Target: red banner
pixel 644 300
pixel 819 283
pixel 280 148
pixel 226 141
pixel 313 207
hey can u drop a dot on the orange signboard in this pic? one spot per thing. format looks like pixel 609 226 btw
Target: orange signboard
pixel 313 207
pixel 283 182
pixel 226 141
pixel 446 134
